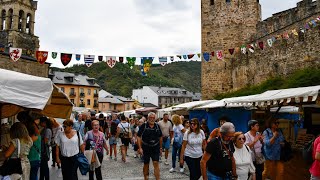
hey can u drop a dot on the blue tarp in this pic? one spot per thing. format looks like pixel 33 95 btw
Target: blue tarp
pixel 200 114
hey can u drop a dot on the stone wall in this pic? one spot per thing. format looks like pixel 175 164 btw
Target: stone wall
pixel 24 65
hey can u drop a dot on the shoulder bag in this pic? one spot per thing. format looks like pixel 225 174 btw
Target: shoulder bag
pixel 259 157
pixel 82 161
pixel 12 165
pixel 126 134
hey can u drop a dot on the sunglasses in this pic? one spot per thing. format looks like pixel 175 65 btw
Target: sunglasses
pixel 241 139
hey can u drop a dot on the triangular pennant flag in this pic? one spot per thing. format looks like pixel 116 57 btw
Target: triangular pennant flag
pixel 261 45
pixel 88 60
pixel 54 55
pixel 231 51
pixel 313 22
pixel 295 32
pixel 29 52
pixel 270 42
pixel 65 58
pixel 100 58
pixel 171 58
pixel 131 61
pixel 206 56
pixel 111 61
pixel 2 47
pixel 78 57
pixel 285 35
pixel 163 60
pixel 251 48
pixel 185 56
pixel 213 54
pixel 237 49
pixel 199 55
pixel 243 49
pixel 146 63
pixel 41 56
pixel 179 56
pixel 219 54
pixel 121 59
pixel 306 26
pixel 302 30
pixel 15 53
pixel 190 56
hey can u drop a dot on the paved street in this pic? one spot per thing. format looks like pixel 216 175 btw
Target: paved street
pixel 131 170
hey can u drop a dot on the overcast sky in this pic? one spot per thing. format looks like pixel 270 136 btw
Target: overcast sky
pixel 148 28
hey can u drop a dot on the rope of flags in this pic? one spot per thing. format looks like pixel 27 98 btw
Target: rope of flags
pixel 146 62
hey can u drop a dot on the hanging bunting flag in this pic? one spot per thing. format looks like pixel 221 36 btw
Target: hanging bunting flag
pixel 190 56
pixel 179 56
pixel 29 52
pixel 131 61
pixel 270 42
pixel 261 45
pixel 314 24
pixel 171 58
pixel 88 60
pixel 206 56
pixel 2 47
pixel 199 55
pixel 78 57
pixel 54 55
pixel 302 30
pixel 100 58
pixel 163 60
pixel 295 32
pixel 121 59
pixel 111 61
pixel 15 53
pixel 231 51
pixel 251 48
pixel 185 56
pixel 237 49
pixel 243 49
pixel 146 63
pixel 213 54
pixel 285 35
pixel 306 26
pixel 219 54
pixel 65 58
pixel 41 56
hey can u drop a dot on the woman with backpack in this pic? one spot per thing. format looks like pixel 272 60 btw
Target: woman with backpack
pixel 243 158
pixel 315 167
pixel 124 131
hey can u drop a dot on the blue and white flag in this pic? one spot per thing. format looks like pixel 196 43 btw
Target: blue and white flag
pixel 88 60
pixel 206 56
pixel 146 63
pixel 78 57
pixel 163 60
pixel 185 56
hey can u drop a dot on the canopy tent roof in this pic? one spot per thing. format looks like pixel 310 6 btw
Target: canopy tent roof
pixel 191 105
pixel 228 102
pixel 20 91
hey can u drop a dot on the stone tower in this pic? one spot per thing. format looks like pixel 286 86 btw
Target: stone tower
pixel 17 18
pixel 225 24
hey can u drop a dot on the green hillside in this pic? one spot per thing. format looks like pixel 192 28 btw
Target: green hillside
pixel 120 80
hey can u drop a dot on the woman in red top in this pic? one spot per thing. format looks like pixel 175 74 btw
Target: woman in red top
pixel 315 167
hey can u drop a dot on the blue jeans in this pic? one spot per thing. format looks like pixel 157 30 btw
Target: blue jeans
pixel 211 176
pixel 34 169
pixel 44 170
pixel 194 167
pixel 176 149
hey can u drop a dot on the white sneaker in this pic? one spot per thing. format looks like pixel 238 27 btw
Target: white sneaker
pixel 181 170
pixel 135 156
pixel 172 170
pixel 166 162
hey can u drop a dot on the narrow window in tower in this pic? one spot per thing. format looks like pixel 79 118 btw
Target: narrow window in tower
pixel 211 2
pixel 10 19
pixel 21 14
pixel 28 23
pixel 3 20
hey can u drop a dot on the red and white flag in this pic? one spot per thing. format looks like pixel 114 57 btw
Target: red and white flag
pixel 15 53
pixel 111 61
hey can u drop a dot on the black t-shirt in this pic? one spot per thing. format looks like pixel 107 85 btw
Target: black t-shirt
pixel 103 125
pixel 113 127
pixel 88 125
pixel 150 136
pixel 219 163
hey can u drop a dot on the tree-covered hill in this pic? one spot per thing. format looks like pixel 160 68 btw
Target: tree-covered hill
pixel 121 80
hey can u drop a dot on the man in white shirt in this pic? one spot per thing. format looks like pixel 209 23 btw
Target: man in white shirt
pixel 166 127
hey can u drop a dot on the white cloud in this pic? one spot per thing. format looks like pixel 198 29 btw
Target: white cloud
pixel 126 28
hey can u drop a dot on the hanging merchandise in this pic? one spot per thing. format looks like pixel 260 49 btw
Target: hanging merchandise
pixel 146 63
pixel 88 60
pixel 65 58
pixel 78 57
pixel 54 55
pixel 100 58
pixel 243 49
pixel 251 48
pixel 190 56
pixel 231 51
pixel 15 53
pixel 171 58
pixel 199 55
pixel 179 56
pixel 270 42
pixel 111 61
pixel 41 56
pixel 163 60
pixel 131 61
pixel 206 56
pixel 220 55
pixel 261 45
pixel 121 59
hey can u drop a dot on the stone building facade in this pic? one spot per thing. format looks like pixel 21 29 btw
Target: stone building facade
pixel 228 24
pixel 17 19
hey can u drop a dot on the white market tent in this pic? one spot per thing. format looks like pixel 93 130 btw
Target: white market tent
pixel 20 91
pixel 194 104
pixel 227 102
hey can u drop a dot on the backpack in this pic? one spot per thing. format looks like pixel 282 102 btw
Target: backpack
pixel 148 141
pixel 307 152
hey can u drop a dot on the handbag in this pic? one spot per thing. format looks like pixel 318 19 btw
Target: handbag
pixel 259 157
pixel 12 165
pixel 286 152
pixel 93 158
pixel 81 160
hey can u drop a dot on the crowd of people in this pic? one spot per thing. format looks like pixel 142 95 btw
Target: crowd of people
pixel 222 154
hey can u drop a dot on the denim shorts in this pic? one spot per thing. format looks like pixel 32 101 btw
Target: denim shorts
pixel 112 140
pixel 211 176
pixel 166 144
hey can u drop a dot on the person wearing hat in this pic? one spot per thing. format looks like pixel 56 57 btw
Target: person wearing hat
pixel 255 141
